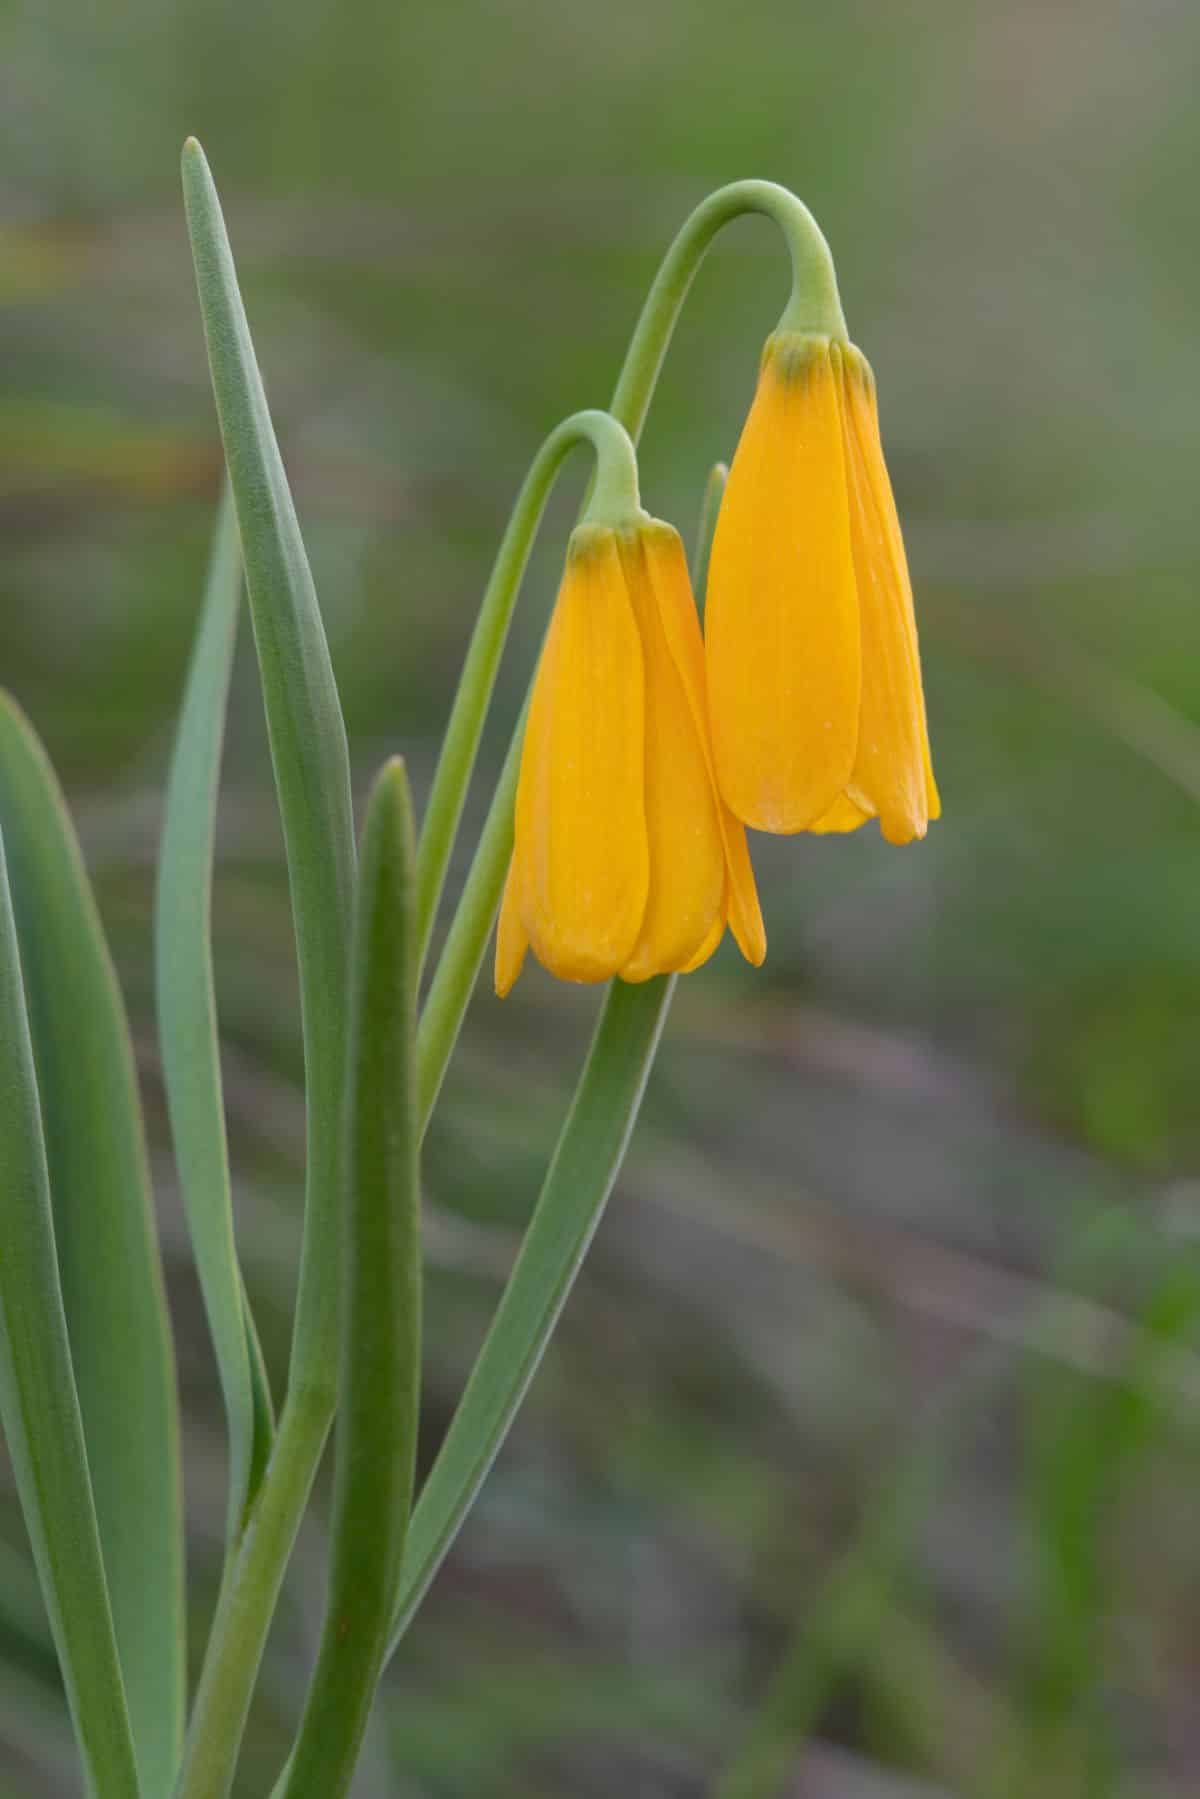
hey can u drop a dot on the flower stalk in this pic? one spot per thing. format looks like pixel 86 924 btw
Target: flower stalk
pixel 813 305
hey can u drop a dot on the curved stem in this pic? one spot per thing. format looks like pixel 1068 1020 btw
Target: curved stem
pixel 454 982
pixel 814 305
pixel 613 500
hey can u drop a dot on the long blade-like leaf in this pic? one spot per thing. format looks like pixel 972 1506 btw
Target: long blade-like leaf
pixel 578 1182
pixel 107 1249
pixel 187 1012
pixel 381 1325
pixel 308 749
pixel 40 1407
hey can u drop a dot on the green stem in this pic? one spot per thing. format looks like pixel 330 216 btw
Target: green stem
pixel 248 1599
pixel 814 305
pixel 457 970
pixel 614 498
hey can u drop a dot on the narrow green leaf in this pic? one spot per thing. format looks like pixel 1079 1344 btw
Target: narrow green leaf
pixel 187 1012
pixel 260 1395
pixel 312 776
pixel 308 749
pixel 381 1323
pixel 40 1407
pixel 107 1251
pixel 581 1175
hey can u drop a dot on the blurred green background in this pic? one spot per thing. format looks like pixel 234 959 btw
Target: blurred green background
pixel 861 1465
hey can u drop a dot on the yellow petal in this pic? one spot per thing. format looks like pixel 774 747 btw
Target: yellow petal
pixel 933 798
pixel 511 940
pixel 893 746
pixel 745 913
pixel 687 856
pixel 781 622
pixel 708 946
pixel 677 610
pixel 843 815
pixel 580 846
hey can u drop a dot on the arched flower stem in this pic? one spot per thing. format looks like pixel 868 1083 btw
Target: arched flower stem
pixel 813 306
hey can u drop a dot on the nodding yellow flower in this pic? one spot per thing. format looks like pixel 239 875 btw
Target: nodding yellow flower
pixel 625 860
pixel 814 677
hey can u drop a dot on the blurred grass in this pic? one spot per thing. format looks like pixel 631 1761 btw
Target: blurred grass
pixel 890 1146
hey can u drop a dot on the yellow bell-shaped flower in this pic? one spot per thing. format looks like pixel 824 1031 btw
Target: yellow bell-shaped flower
pixel 814 677
pixel 625 859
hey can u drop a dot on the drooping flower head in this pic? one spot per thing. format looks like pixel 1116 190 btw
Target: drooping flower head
pixel 814 676
pixel 625 859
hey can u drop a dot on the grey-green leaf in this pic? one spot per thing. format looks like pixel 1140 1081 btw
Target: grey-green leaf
pixel 187 1013
pixel 580 1177
pixel 381 1323
pixel 308 749
pixel 39 1404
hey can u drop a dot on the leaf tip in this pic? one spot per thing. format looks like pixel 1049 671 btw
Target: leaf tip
pixel 193 163
pixel 14 720
pixel 391 791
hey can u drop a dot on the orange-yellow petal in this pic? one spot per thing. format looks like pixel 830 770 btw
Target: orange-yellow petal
pixel 708 946
pixel 580 835
pixel 677 609
pixel 893 746
pixel 781 621
pixel 687 856
pixel 843 815
pixel 745 913
pixel 932 797
pixel 511 939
